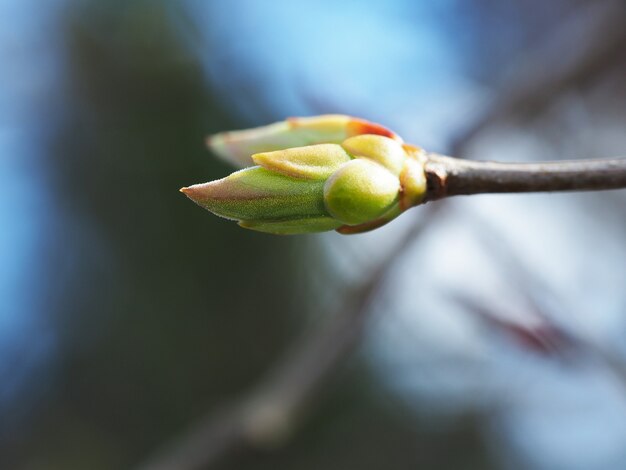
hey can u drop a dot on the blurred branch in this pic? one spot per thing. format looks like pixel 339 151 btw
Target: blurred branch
pixel 537 334
pixel 544 334
pixel 449 176
pixel 574 51
pixel 270 412
pixel 548 335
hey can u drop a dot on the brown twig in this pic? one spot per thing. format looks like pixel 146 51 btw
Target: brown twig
pixel 447 176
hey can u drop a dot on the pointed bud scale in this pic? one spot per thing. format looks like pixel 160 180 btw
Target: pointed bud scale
pixel 387 152
pixel 292 227
pixel 357 186
pixel 413 182
pixel 236 147
pixel 312 162
pixel 258 194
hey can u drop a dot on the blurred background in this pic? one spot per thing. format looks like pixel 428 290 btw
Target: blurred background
pixel 478 333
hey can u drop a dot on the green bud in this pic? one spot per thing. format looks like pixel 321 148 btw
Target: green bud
pixel 357 186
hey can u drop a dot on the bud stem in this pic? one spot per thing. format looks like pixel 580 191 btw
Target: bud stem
pixel 448 176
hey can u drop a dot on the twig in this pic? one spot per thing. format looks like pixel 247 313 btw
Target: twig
pixel 449 176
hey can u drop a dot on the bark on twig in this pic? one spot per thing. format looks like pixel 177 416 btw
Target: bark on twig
pixel 447 176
